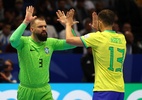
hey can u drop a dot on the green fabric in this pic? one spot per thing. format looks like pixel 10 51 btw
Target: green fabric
pixel 34 61
pixel 27 93
pixel 34 57
pixel 73 32
pixel 15 37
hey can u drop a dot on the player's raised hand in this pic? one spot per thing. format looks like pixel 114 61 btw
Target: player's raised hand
pixel 70 17
pixel 94 23
pixel 29 14
pixel 61 17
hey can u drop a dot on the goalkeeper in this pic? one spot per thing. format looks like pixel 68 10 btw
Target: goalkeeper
pixel 34 55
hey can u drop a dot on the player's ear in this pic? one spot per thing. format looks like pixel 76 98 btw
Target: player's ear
pixel 31 29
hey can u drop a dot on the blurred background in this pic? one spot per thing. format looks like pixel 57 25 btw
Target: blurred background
pixel 72 66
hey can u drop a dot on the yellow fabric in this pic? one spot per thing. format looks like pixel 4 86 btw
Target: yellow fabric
pixel 109 49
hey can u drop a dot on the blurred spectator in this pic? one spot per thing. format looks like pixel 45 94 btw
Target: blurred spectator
pixel 139 3
pixel 116 27
pixel 1 14
pixel 6 74
pixel 9 16
pixel 99 5
pixel 139 45
pixel 10 49
pixel 44 8
pixel 90 11
pixel 52 31
pixel 19 6
pixel 80 14
pixel 60 5
pixel 1 24
pixel 62 34
pixel 88 66
pixel 1 10
pixel 71 3
pixel 132 47
pixel 18 21
pixel 9 4
pixel 87 27
pixel 4 36
pixel 127 10
pixel 126 30
pixel 1 64
pixel 89 4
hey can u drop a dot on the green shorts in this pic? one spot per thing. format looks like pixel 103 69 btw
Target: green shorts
pixel 34 93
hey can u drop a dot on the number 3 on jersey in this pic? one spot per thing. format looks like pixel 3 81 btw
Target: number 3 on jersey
pixel 119 59
pixel 40 62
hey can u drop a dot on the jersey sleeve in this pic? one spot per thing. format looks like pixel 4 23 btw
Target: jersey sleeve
pixel 15 39
pixel 91 39
pixel 73 32
pixel 60 44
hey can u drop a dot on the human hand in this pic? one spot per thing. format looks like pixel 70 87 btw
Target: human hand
pixel 69 17
pixel 61 17
pixel 94 23
pixel 29 14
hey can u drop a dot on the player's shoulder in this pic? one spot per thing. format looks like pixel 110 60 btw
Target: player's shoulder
pixel 120 35
pixel 53 40
pixel 25 37
pixel 92 34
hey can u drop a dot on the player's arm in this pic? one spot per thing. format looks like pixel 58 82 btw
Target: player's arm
pixel 15 37
pixel 63 45
pixel 60 44
pixel 69 37
pixel 62 19
pixel 78 41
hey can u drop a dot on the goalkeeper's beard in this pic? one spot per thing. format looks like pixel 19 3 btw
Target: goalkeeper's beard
pixel 42 36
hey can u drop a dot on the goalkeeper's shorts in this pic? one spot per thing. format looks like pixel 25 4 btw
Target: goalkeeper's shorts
pixel 34 93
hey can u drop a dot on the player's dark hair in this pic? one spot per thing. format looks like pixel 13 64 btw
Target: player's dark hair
pixel 107 17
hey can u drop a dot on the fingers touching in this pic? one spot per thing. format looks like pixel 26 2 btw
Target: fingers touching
pixel 66 18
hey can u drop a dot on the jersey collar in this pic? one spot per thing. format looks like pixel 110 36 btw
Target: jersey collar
pixel 110 31
pixel 38 43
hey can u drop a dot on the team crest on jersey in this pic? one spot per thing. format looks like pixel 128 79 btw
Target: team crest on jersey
pixel 86 36
pixel 46 49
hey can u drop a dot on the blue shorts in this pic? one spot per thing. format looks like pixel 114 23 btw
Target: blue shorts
pixel 108 95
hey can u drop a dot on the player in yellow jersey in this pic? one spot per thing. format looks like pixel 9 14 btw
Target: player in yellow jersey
pixel 109 49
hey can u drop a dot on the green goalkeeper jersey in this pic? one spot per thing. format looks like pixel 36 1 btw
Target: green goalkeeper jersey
pixel 34 57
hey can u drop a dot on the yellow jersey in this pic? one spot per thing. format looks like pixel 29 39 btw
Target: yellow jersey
pixel 109 50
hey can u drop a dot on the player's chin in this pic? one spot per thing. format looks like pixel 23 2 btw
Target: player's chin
pixel 44 34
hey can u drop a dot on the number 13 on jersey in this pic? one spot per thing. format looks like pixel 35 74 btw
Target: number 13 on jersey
pixel 119 58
